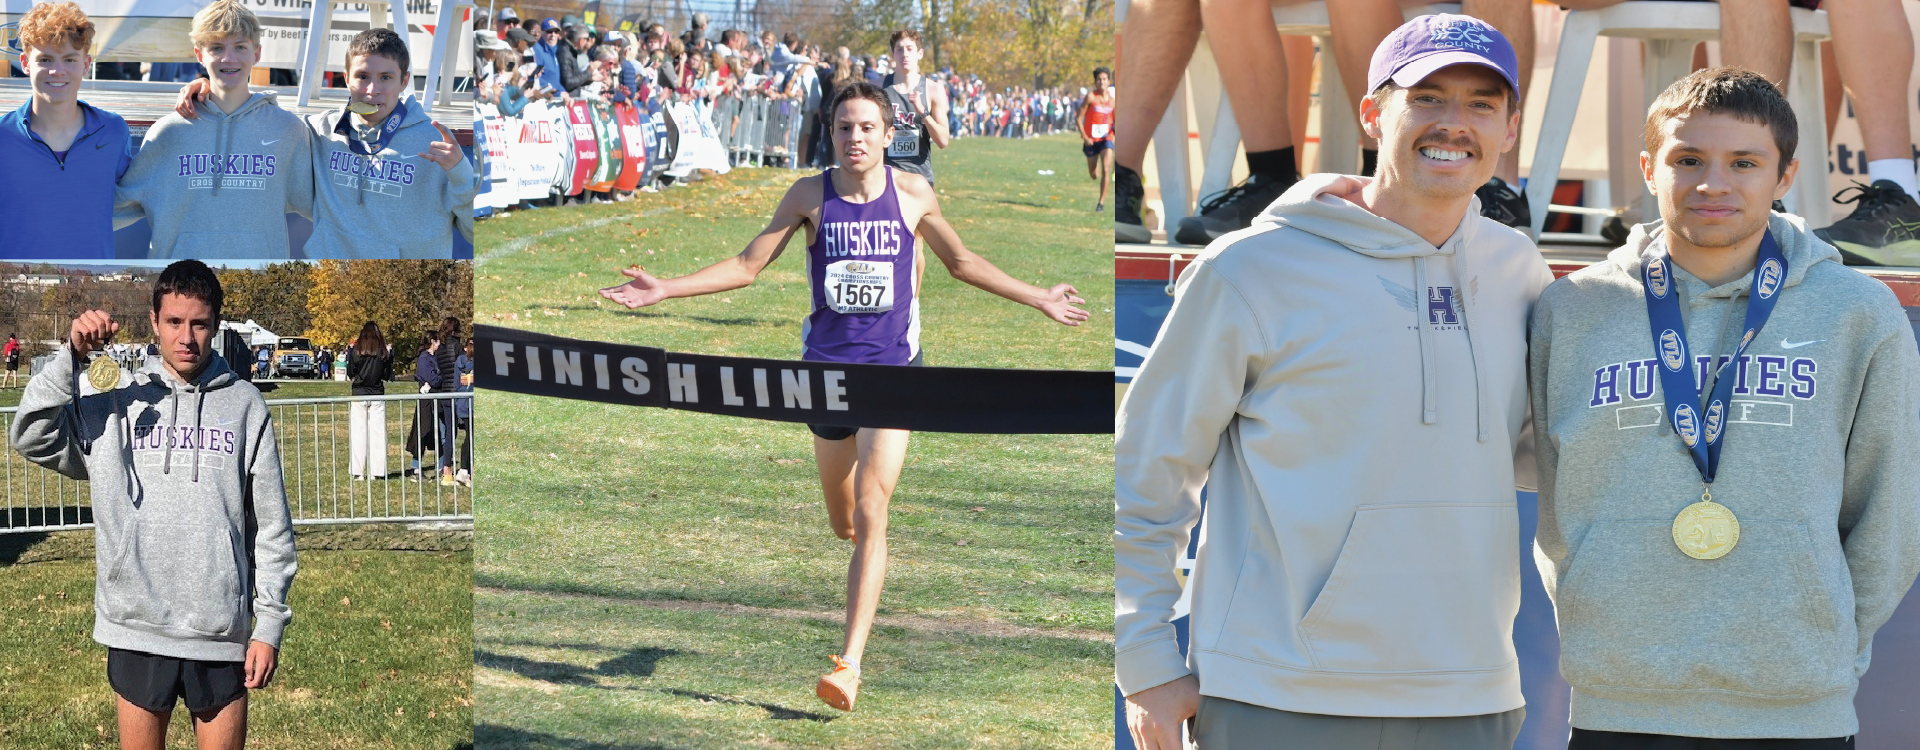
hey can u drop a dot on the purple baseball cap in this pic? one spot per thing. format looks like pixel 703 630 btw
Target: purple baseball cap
pixel 1428 43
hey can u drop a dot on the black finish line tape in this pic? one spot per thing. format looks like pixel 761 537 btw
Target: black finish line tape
pixel 929 399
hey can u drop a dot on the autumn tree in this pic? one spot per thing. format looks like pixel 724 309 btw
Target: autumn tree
pixel 274 296
pixel 403 297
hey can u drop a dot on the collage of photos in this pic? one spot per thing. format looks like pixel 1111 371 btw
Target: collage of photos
pixel 1485 375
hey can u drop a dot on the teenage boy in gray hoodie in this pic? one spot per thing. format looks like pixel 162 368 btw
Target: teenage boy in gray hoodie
pixel 1347 377
pixel 389 182
pixel 1729 501
pixel 220 185
pixel 191 531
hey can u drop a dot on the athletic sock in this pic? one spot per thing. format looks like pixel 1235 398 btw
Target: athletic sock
pixel 1899 171
pixel 1369 160
pixel 1277 164
pixel 851 664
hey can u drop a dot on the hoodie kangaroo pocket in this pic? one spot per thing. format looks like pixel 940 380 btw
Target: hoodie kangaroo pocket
pixel 175 580
pixel 1637 613
pixel 1420 588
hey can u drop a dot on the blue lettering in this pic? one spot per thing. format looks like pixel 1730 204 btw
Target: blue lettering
pixel 1802 372
pixel 1606 386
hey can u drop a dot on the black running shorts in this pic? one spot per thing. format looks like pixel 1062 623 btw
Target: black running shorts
pixel 832 432
pixel 155 682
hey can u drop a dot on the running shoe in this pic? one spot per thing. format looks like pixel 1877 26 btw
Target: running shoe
pixel 1099 208
pixel 1500 203
pixel 446 479
pixel 1883 230
pixel 1230 210
pixel 841 686
pixel 1128 194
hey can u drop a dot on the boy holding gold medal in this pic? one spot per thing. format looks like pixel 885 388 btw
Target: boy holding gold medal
pixel 192 532
pixel 1729 501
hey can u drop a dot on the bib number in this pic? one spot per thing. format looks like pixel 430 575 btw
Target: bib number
pixel 1099 131
pixel 860 286
pixel 905 143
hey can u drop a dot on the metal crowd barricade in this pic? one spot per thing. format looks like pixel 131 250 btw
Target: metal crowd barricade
pixel 314 462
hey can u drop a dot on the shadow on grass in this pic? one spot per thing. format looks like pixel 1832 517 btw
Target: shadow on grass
pixel 494 735
pixel 13 546
pixel 634 663
pixel 778 713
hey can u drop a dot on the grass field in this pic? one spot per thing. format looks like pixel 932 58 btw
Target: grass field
pixel 377 656
pixel 667 579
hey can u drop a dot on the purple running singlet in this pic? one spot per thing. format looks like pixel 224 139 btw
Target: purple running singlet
pixel 860 266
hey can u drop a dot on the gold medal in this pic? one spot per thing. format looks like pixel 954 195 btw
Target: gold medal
pixel 103 374
pixel 1706 530
pixel 362 108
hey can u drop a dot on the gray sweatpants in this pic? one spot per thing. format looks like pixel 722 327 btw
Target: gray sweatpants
pixel 1231 725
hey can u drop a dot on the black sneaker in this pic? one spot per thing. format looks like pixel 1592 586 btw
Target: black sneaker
pixel 1884 230
pixel 1231 210
pixel 1499 203
pixel 1128 193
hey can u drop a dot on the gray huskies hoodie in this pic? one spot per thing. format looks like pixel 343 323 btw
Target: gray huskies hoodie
pixel 1818 465
pixel 193 542
pixel 393 204
pixel 220 186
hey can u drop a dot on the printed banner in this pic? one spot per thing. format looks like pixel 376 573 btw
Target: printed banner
pixel 930 399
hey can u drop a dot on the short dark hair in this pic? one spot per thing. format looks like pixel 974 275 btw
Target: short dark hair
pixel 383 42
pixel 1102 69
pixel 791 40
pixel 863 89
pixel 192 279
pixel 1743 94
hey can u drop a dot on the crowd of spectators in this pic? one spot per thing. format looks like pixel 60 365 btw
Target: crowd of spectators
pixel 522 60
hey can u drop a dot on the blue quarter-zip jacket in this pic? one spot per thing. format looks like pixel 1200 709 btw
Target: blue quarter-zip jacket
pixel 53 208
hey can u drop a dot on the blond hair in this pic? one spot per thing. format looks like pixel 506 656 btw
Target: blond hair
pixel 224 19
pixel 56 25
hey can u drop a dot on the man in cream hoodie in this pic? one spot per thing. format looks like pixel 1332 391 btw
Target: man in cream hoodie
pixel 1723 347
pixel 1347 377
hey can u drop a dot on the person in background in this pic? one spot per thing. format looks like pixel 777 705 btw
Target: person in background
pixel 421 436
pixel 369 367
pixel 12 353
pixel 463 413
pixel 446 373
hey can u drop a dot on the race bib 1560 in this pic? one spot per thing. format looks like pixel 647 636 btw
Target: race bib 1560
pixel 860 286
pixel 905 143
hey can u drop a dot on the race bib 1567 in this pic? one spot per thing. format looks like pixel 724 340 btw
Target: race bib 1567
pixel 860 286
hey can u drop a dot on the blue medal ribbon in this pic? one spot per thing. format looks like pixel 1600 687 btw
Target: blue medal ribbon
pixel 387 129
pixel 1703 427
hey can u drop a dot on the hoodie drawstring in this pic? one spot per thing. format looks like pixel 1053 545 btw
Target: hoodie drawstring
pixel 166 466
pixel 1429 371
pixel 199 406
pixel 1463 291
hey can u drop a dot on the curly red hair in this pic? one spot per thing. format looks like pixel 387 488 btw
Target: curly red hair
pixel 56 25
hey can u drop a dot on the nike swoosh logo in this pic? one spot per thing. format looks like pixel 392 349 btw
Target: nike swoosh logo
pixel 269 143
pixel 1785 344
pixel 99 146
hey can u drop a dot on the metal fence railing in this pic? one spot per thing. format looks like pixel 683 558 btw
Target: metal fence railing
pixel 758 131
pixel 315 463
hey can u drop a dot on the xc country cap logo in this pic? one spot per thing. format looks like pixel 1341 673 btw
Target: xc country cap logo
pixel 1657 277
pixel 1769 278
pixel 859 267
pixel 1673 351
pixel 1716 417
pixel 1686 424
pixel 1462 31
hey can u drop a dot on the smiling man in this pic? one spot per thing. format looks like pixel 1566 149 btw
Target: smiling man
pixel 1729 504
pixel 62 154
pixel 863 267
pixel 193 536
pixel 1347 379
pixel 221 185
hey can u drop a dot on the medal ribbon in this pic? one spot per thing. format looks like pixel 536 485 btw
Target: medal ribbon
pixel 1703 428
pixel 387 129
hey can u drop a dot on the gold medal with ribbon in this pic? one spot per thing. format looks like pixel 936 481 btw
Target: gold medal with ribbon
pixel 1706 530
pixel 103 374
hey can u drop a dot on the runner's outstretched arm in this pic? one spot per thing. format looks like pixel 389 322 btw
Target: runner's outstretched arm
pixel 732 273
pixel 1056 303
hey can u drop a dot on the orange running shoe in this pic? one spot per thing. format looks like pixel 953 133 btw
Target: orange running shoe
pixel 841 686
